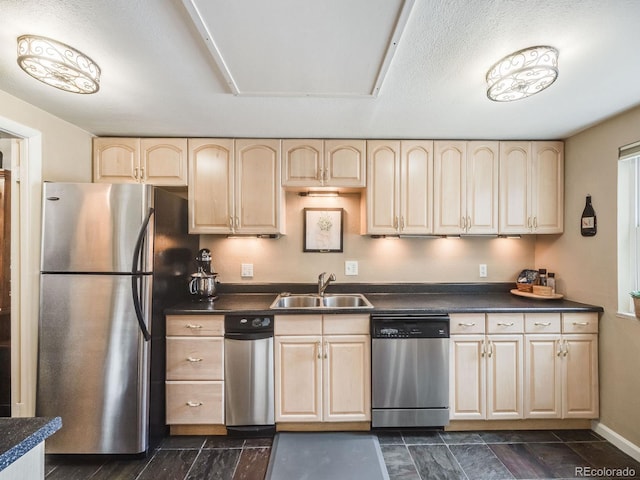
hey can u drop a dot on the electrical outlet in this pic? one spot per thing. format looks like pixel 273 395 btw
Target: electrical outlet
pixel 483 270
pixel 246 270
pixel 351 267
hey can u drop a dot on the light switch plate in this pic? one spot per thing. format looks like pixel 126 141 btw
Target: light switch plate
pixel 483 270
pixel 246 270
pixel 351 267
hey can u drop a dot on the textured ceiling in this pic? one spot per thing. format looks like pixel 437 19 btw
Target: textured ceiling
pixel 159 77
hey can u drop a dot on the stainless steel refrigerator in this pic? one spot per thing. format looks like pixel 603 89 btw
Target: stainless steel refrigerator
pixel 113 257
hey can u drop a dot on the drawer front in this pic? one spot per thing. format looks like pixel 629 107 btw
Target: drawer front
pixel 505 323
pixel 195 325
pixel 467 323
pixel 542 322
pixel 345 324
pixel 195 358
pixel 298 324
pixel 580 322
pixel 195 403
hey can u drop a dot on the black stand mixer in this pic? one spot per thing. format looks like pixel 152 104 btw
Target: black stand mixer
pixel 203 283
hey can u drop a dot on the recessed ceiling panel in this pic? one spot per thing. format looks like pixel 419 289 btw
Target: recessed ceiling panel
pixel 301 47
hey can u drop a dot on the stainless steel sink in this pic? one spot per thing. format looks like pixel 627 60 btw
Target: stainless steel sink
pixel 346 301
pixel 311 301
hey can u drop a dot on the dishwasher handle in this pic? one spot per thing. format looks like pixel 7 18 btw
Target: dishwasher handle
pixel 248 336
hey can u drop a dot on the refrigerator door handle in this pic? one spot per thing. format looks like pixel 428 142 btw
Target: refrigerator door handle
pixel 136 276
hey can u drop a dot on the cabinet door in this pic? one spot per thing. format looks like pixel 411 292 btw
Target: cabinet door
pixel 514 181
pixel 482 187
pixel 210 185
pixel 580 376
pixel 302 163
pixel 547 191
pixel 344 163
pixel 298 378
pixel 259 195
pixel 467 382
pixel 383 161
pixel 542 376
pixel 163 161
pixel 116 160
pixel 347 378
pixel 416 187
pixel 450 196
pixel 504 377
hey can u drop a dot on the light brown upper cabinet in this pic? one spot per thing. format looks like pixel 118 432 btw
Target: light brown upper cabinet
pixel 156 161
pixel 465 187
pixel 399 194
pixel 323 163
pixel 531 187
pixel 234 187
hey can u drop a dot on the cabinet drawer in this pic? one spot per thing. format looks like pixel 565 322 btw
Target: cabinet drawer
pixel 580 322
pixel 467 323
pixel 195 325
pixel 542 322
pixel 195 403
pixel 345 325
pixel 505 323
pixel 195 358
pixel 298 325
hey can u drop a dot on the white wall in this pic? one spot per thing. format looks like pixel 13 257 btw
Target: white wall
pixel 587 266
pixel 380 260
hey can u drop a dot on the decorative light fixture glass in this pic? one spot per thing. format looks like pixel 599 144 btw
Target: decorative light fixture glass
pixel 57 64
pixel 522 74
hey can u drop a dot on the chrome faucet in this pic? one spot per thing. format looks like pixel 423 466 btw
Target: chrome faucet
pixel 323 284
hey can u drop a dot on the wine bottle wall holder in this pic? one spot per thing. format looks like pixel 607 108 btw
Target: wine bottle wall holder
pixel 589 221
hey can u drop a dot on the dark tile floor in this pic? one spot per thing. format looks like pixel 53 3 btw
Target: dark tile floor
pixel 408 454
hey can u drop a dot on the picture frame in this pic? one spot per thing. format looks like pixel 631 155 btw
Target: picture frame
pixel 323 230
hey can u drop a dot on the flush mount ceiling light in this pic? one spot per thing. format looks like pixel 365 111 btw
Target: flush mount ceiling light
pixel 522 74
pixel 57 64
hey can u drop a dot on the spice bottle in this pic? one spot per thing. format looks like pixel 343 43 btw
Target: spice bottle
pixel 551 282
pixel 542 277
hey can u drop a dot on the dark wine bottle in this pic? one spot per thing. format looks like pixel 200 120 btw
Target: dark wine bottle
pixel 589 222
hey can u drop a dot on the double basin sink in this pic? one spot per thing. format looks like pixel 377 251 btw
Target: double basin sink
pixel 311 301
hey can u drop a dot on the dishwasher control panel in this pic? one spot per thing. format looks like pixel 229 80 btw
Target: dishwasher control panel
pixel 410 327
pixel 248 324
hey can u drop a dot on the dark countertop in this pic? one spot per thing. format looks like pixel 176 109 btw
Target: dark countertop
pixel 458 298
pixel 19 435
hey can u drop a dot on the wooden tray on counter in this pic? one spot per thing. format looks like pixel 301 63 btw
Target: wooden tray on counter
pixel 555 296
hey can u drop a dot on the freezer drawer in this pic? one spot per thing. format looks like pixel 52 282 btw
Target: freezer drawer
pixel 93 365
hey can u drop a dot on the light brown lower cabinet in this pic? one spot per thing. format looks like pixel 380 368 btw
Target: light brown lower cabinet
pixel 543 366
pixel 195 370
pixel 322 368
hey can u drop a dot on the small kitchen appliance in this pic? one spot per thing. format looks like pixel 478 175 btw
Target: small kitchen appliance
pixel 203 283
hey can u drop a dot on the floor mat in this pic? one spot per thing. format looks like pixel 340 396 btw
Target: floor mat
pixel 322 456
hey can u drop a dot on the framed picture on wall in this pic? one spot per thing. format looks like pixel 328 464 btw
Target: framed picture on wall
pixel 322 230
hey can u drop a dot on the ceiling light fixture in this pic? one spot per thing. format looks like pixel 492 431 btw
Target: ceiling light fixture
pixel 522 74
pixel 57 64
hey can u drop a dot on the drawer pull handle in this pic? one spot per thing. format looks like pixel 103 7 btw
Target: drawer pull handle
pixel 193 359
pixel 194 404
pixel 505 324
pixel 542 324
pixel 472 324
pixel 193 326
pixel 582 324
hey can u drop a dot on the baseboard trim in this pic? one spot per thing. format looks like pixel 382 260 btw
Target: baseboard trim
pixel 616 439
pixel 525 424
pixel 197 430
pixel 323 426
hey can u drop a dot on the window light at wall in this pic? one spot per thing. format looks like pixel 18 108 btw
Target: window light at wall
pixel 58 64
pixel 522 74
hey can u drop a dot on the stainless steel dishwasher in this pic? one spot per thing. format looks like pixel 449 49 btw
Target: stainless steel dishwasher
pixel 248 374
pixel 410 370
